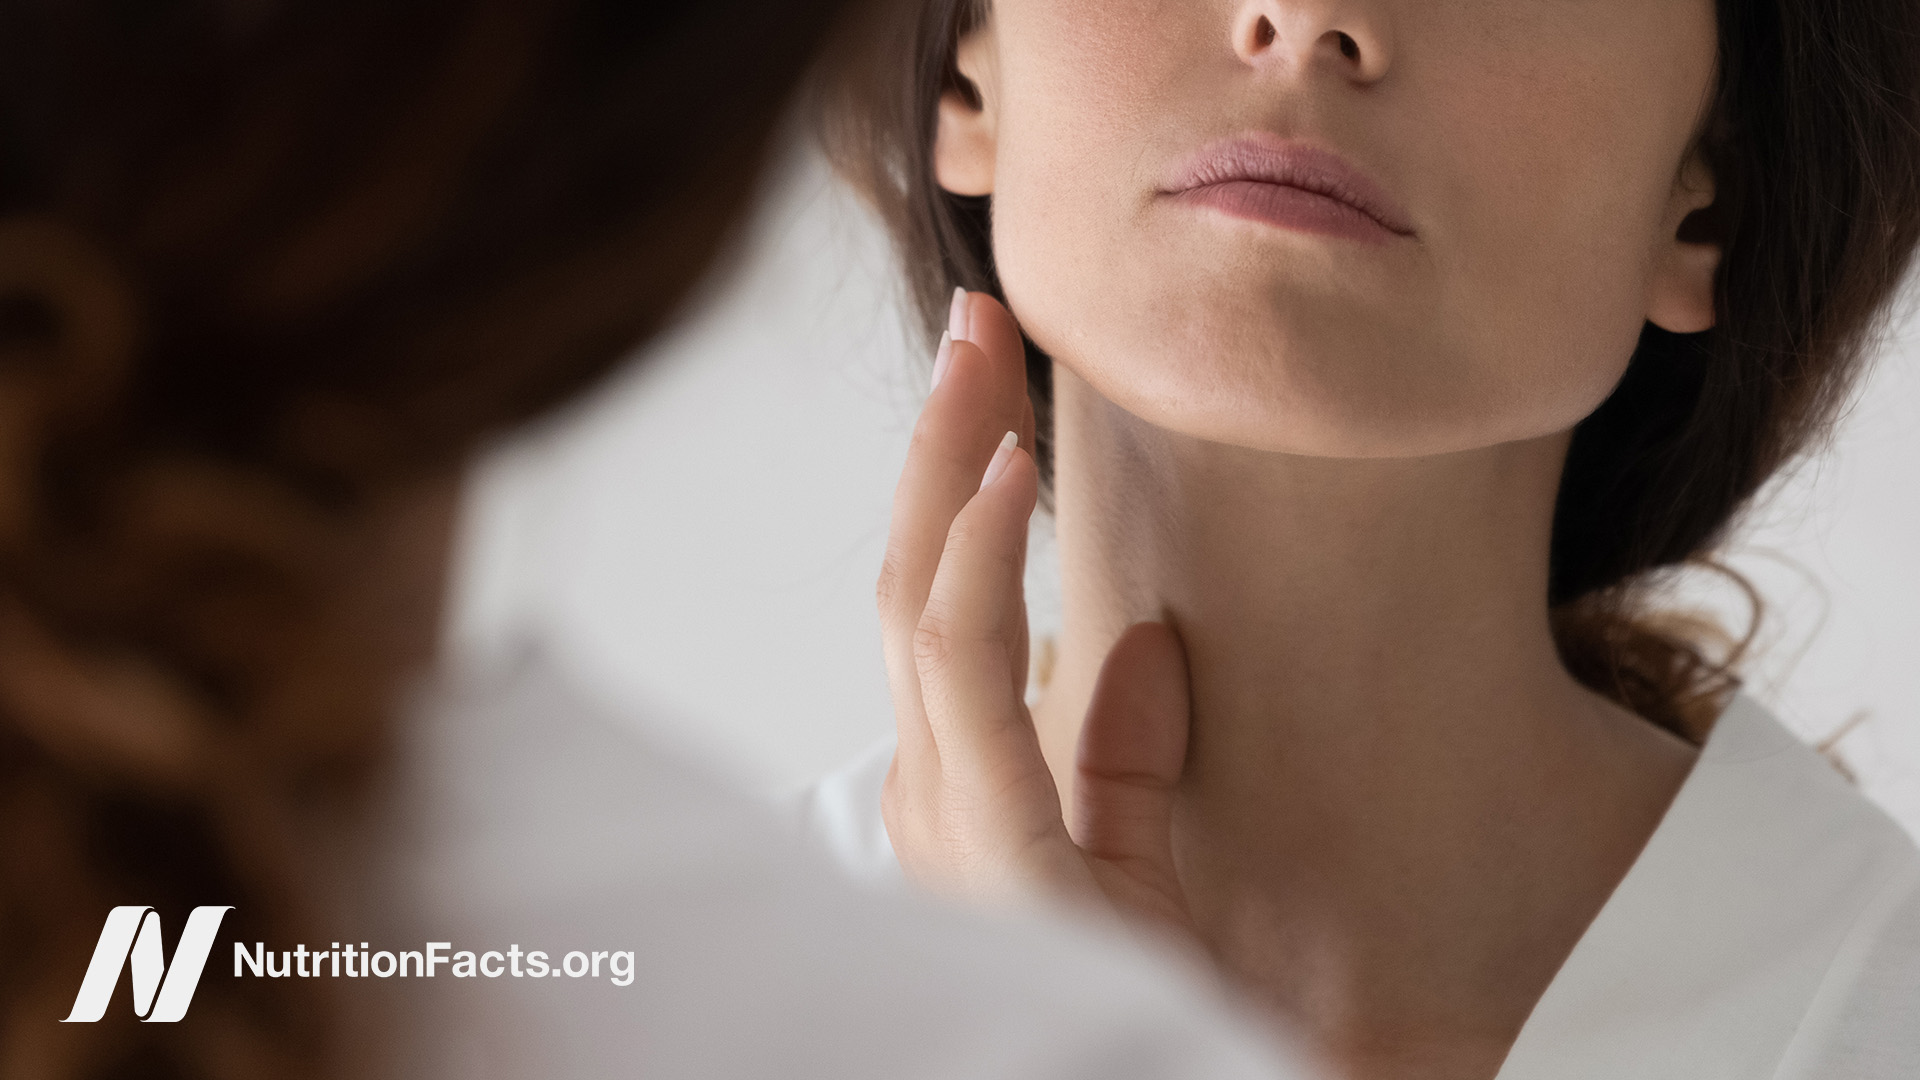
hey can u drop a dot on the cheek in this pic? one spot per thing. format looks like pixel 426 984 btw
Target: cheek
pixel 1093 68
pixel 1085 84
pixel 1094 99
pixel 1562 170
pixel 1546 221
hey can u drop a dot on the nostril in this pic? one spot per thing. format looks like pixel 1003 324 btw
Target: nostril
pixel 1349 48
pixel 1263 33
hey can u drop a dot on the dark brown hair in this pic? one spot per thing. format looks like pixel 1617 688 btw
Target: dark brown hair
pixel 264 265
pixel 1814 139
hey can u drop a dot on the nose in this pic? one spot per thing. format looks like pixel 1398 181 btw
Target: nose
pixel 1349 36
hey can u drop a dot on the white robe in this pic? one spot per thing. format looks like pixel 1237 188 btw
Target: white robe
pixel 1769 929
pixel 523 814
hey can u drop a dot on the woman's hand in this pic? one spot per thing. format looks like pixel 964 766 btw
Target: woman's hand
pixel 969 802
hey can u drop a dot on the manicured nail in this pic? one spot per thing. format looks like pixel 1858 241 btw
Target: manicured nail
pixel 958 322
pixel 1001 459
pixel 940 357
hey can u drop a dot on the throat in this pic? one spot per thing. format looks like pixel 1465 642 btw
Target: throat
pixel 1399 811
pixel 1414 905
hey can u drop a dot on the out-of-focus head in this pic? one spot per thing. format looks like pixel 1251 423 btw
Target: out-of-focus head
pixel 339 236
pixel 264 265
pixel 1394 227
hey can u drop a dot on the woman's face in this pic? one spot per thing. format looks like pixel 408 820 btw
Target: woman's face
pixel 1342 227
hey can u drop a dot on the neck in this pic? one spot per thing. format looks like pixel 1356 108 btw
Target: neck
pixel 1389 769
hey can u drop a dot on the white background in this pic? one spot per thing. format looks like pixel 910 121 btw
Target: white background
pixel 698 541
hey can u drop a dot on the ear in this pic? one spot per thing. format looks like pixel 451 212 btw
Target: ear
pixel 1681 290
pixel 965 139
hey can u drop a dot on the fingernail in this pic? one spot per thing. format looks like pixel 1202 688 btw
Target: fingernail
pixel 957 320
pixel 940 357
pixel 1001 459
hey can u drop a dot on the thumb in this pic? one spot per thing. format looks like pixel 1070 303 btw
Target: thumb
pixel 1133 748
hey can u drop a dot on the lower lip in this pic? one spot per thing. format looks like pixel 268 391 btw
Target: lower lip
pixel 1288 208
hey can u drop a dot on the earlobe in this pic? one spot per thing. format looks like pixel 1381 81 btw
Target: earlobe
pixel 965 137
pixel 1680 296
pixel 1683 288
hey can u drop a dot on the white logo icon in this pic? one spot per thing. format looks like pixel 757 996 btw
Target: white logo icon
pixel 133 932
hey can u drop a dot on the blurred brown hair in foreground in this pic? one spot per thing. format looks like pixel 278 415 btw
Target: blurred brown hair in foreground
pixel 266 269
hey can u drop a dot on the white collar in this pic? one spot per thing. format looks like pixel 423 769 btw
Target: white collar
pixel 1713 949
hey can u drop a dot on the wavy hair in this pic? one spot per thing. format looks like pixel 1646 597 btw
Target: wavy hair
pixel 264 267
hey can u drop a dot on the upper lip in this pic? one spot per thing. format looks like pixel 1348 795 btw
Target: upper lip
pixel 1291 164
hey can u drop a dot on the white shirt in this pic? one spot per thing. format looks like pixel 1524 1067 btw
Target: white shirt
pixel 1769 929
pixel 523 814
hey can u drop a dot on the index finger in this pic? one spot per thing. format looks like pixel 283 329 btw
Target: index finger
pixel 980 396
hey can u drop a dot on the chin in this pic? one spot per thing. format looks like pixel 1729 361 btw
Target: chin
pixel 1296 363
pixel 1263 385
pixel 1333 404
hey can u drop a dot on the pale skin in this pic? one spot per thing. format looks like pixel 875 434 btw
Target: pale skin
pixel 1316 477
